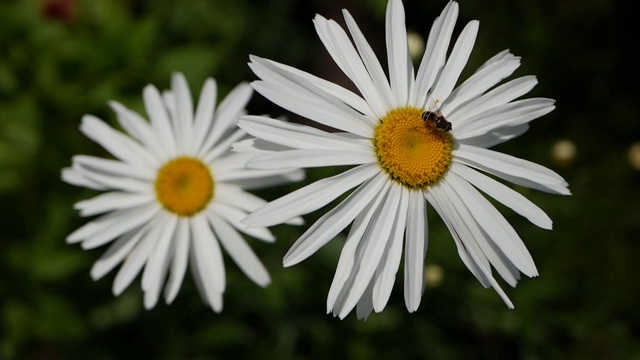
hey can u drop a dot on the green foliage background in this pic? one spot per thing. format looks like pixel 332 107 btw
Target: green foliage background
pixel 56 67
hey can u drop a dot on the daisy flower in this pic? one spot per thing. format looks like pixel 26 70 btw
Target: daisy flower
pixel 414 141
pixel 174 194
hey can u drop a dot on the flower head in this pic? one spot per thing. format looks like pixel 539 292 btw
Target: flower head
pixel 173 194
pixel 415 140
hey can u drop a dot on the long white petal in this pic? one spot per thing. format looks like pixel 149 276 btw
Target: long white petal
pixel 116 143
pixel 208 255
pixel 370 60
pixel 311 158
pixel 234 216
pixel 380 231
pixel 456 62
pixel 226 117
pixel 114 167
pixel 507 196
pixel 111 201
pixel 435 53
pixel 492 72
pixel 347 96
pixel 298 136
pixel 112 225
pixel 495 225
pixel 334 221
pixel 239 251
pixel 117 252
pixel 345 55
pixel 397 53
pixel 469 255
pixel 510 168
pixel 140 128
pixel 509 115
pixel 181 240
pixel 203 119
pixel 310 197
pixel 159 118
pixel 153 270
pixel 183 122
pixel 343 278
pixel 386 272
pixel 415 250
pixel 501 95
pixel 136 260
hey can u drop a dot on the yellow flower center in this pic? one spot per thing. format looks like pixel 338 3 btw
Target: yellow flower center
pixel 413 152
pixel 184 186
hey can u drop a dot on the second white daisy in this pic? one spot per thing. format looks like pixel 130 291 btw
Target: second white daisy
pixel 414 140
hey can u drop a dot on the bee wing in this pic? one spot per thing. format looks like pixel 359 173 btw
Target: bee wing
pixel 432 104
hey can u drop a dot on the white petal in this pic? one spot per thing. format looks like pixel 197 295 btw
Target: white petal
pixel 180 250
pixel 495 225
pixel 507 196
pixel 489 74
pixel 336 91
pixel 311 158
pixel 345 273
pixel 298 136
pixel 73 177
pixel 307 100
pixel 456 62
pixel 209 294
pixel 512 169
pixel 183 122
pixel 204 114
pixel 379 231
pixel 136 260
pixel 397 53
pixel 415 250
pixel 334 221
pixel 153 270
pixel 370 61
pixel 496 136
pixel 234 216
pixel 435 53
pixel 111 201
pixel 499 96
pixel 208 256
pixel 138 127
pixel 239 251
pixel 111 225
pixel 226 117
pixel 114 181
pixel 159 118
pixel 386 272
pixel 345 55
pixel 114 167
pixel 310 197
pixel 224 146
pixel 469 255
pixel 365 304
pixel 509 115
pixel 473 236
pixel 116 143
pixel 117 252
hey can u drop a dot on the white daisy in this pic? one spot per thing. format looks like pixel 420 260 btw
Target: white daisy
pixel 174 193
pixel 402 161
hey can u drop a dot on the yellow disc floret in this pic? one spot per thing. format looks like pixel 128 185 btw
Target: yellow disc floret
pixel 184 186
pixel 412 151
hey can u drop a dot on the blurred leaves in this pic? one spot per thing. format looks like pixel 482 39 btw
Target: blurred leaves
pixel 56 66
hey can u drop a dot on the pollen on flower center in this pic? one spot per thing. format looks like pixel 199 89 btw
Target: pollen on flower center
pixel 413 152
pixel 184 186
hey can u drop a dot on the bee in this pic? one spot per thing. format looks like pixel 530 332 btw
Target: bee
pixel 435 118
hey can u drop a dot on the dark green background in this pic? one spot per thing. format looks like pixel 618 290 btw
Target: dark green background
pixel 55 67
